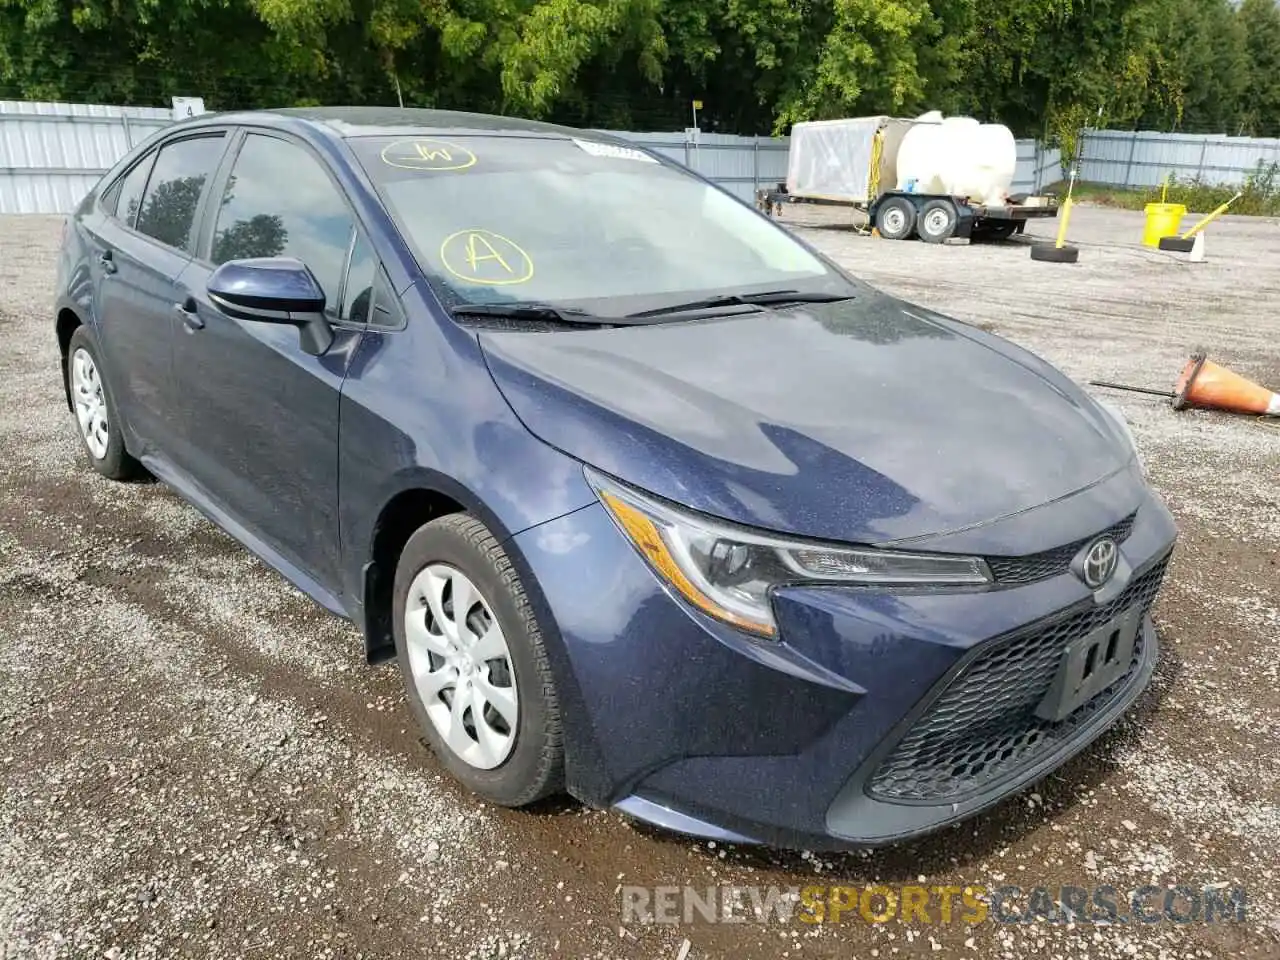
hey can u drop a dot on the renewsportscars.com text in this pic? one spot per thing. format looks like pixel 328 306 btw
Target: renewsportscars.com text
pixel 1211 903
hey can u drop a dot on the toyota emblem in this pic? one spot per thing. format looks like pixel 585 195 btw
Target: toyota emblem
pixel 1100 562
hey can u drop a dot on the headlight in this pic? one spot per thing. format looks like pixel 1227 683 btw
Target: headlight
pixel 727 571
pixel 1114 412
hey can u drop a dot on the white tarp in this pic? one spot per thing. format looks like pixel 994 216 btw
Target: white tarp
pixel 831 159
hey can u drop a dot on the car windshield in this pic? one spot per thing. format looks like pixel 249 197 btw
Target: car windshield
pixel 602 228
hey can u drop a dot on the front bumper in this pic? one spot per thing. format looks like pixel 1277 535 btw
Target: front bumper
pixel 842 733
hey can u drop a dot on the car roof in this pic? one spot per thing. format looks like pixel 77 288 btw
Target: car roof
pixel 348 122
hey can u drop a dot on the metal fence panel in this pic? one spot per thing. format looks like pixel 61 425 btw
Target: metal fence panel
pixel 1125 158
pixel 51 154
pixel 739 164
pixel 1037 167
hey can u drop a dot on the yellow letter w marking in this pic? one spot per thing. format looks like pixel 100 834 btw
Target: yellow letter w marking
pixel 431 155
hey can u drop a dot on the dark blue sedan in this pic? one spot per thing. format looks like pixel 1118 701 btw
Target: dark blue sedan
pixel 651 502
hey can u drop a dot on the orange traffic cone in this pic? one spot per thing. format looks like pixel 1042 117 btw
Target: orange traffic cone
pixel 1205 384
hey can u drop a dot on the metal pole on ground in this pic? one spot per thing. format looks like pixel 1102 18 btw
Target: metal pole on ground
pixel 755 164
pixel 1128 168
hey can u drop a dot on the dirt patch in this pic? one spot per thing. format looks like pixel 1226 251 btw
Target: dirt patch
pixel 195 760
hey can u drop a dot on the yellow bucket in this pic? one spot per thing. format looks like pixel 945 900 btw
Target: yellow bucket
pixel 1163 220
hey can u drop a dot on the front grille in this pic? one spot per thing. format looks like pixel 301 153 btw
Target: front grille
pixel 1050 563
pixel 982 728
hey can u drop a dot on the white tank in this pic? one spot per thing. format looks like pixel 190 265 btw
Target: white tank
pixel 919 159
pixel 995 161
pixel 958 156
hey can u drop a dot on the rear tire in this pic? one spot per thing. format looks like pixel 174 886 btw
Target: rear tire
pixel 470 673
pixel 937 221
pixel 896 218
pixel 95 410
pixel 1050 253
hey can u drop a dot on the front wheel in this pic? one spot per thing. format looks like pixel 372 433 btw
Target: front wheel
pixel 474 663
pixel 896 218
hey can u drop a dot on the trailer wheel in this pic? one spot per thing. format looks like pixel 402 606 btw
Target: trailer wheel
pixel 938 221
pixel 896 218
pixel 1050 253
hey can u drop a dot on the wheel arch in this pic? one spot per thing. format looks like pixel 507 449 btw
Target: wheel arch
pixel 403 514
pixel 418 501
pixel 68 322
pixel 415 499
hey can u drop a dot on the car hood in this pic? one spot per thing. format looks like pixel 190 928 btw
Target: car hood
pixel 867 420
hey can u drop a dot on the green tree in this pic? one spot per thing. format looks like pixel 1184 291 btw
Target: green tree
pixel 1201 70
pixel 1044 67
pixel 263 235
pixel 1260 110
pixel 170 209
pixel 867 63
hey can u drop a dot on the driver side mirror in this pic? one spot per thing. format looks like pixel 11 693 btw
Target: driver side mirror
pixel 274 290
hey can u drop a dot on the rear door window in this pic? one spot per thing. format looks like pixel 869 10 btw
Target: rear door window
pixel 280 202
pixel 172 198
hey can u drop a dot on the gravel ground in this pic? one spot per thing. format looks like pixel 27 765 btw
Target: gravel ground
pixel 196 762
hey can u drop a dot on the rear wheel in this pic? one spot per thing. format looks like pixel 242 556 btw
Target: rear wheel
pixel 896 218
pixel 938 221
pixel 96 415
pixel 474 665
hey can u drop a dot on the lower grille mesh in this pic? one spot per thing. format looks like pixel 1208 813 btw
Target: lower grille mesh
pixel 982 728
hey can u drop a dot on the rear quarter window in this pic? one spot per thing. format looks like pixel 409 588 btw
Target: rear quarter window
pixel 125 196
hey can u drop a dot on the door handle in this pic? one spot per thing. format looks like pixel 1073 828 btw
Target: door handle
pixel 187 311
pixel 106 262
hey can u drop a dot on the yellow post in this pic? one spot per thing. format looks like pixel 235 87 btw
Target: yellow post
pixel 1210 218
pixel 1064 215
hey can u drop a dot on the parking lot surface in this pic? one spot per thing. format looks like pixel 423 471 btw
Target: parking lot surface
pixel 195 761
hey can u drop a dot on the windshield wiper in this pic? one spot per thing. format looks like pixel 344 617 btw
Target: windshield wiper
pixel 745 299
pixel 537 311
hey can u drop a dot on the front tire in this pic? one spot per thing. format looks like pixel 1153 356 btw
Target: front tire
pixel 474 665
pixel 96 415
pixel 896 218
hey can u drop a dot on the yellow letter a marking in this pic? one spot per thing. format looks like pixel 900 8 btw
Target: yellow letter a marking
pixel 475 257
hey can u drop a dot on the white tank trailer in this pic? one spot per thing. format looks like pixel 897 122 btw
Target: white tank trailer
pixel 931 177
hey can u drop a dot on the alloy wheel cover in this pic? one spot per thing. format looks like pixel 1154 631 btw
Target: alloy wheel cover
pixel 461 666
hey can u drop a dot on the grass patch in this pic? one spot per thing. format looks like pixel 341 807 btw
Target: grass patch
pixel 1261 193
